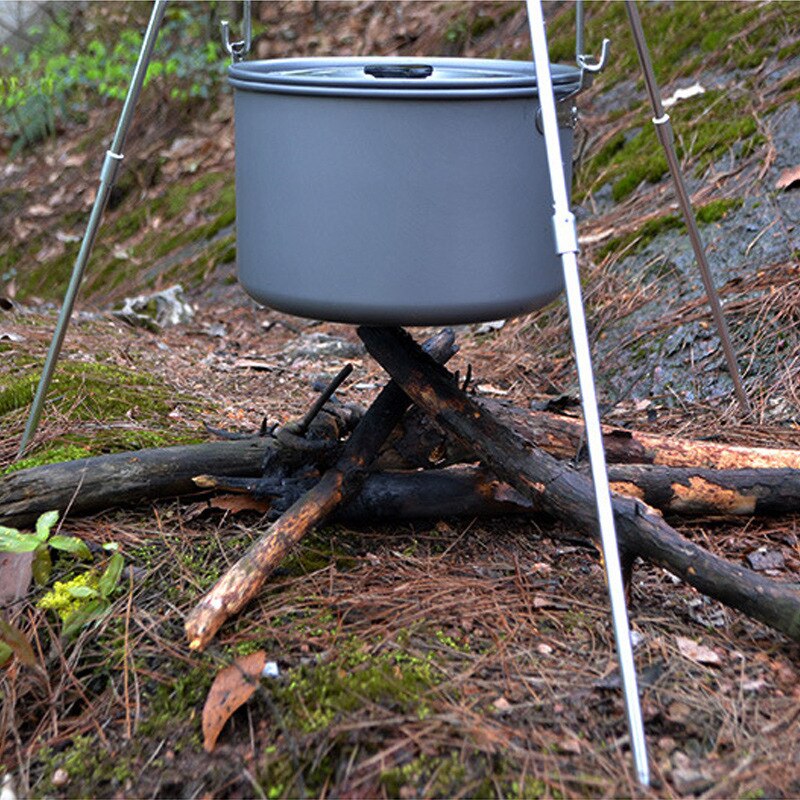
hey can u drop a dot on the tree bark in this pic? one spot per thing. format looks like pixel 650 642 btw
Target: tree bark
pixel 569 495
pixel 420 442
pixel 723 492
pixel 243 581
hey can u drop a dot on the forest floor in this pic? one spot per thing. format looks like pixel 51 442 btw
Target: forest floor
pixel 469 658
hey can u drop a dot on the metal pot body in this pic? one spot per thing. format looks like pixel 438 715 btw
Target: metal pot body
pixel 384 206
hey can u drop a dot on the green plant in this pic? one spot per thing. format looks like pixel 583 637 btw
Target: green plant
pixel 40 542
pixel 78 601
pixel 63 72
pixel 86 597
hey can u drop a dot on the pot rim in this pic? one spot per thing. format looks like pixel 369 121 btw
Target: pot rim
pixel 428 78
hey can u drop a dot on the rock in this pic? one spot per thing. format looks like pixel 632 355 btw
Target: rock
pixel 322 345
pixel 763 559
pixel 156 311
pixel 687 776
pixel 60 778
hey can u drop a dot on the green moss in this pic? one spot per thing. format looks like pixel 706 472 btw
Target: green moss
pixel 450 774
pixel 639 239
pixel 633 242
pixel 89 767
pixel 177 197
pixel 175 703
pixel 481 24
pixel 717 209
pixel 313 696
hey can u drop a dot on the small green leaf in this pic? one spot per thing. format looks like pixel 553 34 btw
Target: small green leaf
pixel 45 524
pixel 83 616
pixel 12 541
pixel 82 591
pixel 71 544
pixel 110 578
pixel 5 653
pixel 18 642
pixel 42 564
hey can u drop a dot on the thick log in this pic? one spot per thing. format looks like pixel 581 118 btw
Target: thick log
pixel 457 491
pixel 420 442
pixel 92 484
pixel 723 492
pixel 569 495
pixel 242 581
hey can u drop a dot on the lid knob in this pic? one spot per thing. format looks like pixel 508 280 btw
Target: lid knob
pixel 399 70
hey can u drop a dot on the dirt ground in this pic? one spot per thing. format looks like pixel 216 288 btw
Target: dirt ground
pixel 451 658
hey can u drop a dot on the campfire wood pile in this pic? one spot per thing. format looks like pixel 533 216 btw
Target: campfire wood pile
pixel 449 454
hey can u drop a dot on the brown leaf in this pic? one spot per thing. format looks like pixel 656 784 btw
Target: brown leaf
pixel 788 178
pixel 231 689
pixel 238 502
pixel 698 653
pixel 18 642
pixel 15 576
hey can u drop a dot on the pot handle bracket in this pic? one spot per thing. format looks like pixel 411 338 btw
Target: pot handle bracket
pixel 239 49
pixel 587 63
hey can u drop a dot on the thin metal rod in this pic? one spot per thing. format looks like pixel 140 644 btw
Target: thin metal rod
pixel 108 174
pixel 666 136
pixel 567 247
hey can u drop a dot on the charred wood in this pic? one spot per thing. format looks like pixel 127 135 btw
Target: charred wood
pixel 569 495
pixel 244 579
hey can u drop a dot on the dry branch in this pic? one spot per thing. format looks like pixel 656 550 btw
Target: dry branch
pixel 101 482
pixel 418 442
pixel 242 582
pixel 567 494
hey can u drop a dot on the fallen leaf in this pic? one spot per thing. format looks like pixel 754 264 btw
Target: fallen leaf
pixel 788 178
pixel 15 576
pixel 683 94
pixel 17 641
pixel 251 363
pixel 239 502
pixel 231 689
pixel 488 388
pixel 698 653
pixel 501 704
pixel 570 744
pixel 39 210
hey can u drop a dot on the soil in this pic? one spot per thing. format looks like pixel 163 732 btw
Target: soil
pixel 469 658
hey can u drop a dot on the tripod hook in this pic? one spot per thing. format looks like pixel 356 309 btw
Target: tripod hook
pixel 239 49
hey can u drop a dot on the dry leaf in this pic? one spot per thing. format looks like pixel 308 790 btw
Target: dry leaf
pixel 698 653
pixel 39 210
pixel 231 689
pixel 788 178
pixel 501 704
pixel 239 502
pixel 15 576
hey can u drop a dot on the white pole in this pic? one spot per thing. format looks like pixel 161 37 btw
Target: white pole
pixel 566 240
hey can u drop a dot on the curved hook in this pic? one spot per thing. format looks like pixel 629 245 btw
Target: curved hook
pixel 589 65
pixel 239 49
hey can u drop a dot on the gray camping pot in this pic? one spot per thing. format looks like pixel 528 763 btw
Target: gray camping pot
pixel 392 191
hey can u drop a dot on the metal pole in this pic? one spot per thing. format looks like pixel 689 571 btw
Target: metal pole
pixel 566 240
pixel 666 137
pixel 108 174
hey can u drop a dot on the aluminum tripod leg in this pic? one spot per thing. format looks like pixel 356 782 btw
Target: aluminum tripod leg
pixel 108 175
pixel 567 247
pixel 667 139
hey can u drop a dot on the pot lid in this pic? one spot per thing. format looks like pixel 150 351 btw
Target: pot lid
pixel 382 76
